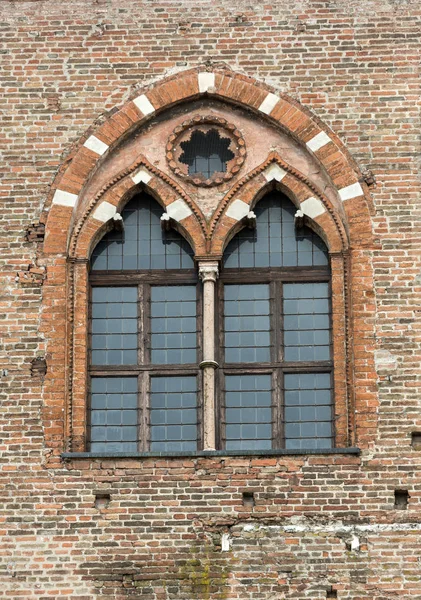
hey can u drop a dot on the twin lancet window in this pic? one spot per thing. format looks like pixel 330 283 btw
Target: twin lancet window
pixel 162 380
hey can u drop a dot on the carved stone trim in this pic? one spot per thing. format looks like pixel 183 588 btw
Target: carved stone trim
pixel 208 271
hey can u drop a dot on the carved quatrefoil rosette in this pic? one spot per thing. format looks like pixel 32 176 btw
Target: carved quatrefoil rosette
pixel 207 141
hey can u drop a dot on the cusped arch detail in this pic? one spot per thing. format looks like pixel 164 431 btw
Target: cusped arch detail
pixel 232 211
pixel 97 216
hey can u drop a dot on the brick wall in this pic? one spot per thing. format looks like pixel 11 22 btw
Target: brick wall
pixel 317 526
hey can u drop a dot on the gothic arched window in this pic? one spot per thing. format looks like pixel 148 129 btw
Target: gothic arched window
pixel 274 348
pixel 144 350
pixel 276 358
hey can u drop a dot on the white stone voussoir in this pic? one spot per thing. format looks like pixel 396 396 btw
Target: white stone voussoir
pixel 178 210
pixel 142 175
pixel 238 210
pixel 144 105
pixel 312 207
pixel 269 103
pixel 96 145
pixel 205 81
pixel 104 212
pixel 351 191
pixel 64 198
pixel 274 172
pixel 318 141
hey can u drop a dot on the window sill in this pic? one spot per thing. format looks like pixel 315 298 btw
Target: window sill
pixel 211 453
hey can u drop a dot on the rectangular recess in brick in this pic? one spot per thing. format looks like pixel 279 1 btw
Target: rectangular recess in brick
pixel 416 439
pixel 331 593
pixel 102 500
pixel 248 499
pixel 401 499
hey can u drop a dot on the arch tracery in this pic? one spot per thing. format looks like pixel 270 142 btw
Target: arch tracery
pixel 74 227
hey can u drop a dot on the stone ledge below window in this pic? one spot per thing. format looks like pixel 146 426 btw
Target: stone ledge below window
pixel 212 453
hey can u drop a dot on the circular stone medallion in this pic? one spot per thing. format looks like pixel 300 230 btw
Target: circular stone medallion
pixel 206 150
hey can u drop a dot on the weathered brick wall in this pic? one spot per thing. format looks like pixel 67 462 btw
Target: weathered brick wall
pixel 320 527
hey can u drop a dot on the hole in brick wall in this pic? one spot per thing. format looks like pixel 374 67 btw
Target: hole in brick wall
pixel 331 593
pixel 401 499
pixel 248 499
pixel 416 439
pixel 102 500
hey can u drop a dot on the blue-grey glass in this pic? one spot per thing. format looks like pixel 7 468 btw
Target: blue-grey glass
pixel 248 412
pixel 173 324
pixel 308 411
pixel 306 321
pixel 247 323
pixel 114 326
pixel 173 413
pixel 275 241
pixel 142 245
pixel 114 420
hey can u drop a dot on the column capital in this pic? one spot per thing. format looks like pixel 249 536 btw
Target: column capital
pixel 208 271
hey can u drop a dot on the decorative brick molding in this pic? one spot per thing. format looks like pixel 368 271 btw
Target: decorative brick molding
pixel 221 84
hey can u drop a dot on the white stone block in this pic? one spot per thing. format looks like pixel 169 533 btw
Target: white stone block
pixel 274 171
pixel 312 207
pixel 64 198
pixel 355 543
pixel 178 210
pixel 351 191
pixel 269 103
pixel 96 145
pixel 225 542
pixel 104 212
pixel 142 175
pixel 238 210
pixel 206 81
pixel 144 105
pixel 318 141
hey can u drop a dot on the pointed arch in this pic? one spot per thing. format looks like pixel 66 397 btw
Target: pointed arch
pixel 99 141
pixel 94 220
pixel 317 208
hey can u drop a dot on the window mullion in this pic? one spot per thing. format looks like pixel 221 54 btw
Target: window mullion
pixel 208 273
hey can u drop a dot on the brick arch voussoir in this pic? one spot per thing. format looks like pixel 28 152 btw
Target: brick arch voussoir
pixel 224 84
pixel 97 218
pixel 230 216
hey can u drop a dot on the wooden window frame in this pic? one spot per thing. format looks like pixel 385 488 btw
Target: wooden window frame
pixel 144 370
pixel 277 367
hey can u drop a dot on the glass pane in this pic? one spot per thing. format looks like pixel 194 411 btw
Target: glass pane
pixel 173 413
pixel 275 241
pixel 248 412
pixel 308 411
pixel 173 324
pixel 114 326
pixel 247 323
pixel 306 321
pixel 206 153
pixel 114 421
pixel 142 245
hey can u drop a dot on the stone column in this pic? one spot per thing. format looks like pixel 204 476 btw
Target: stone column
pixel 208 272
